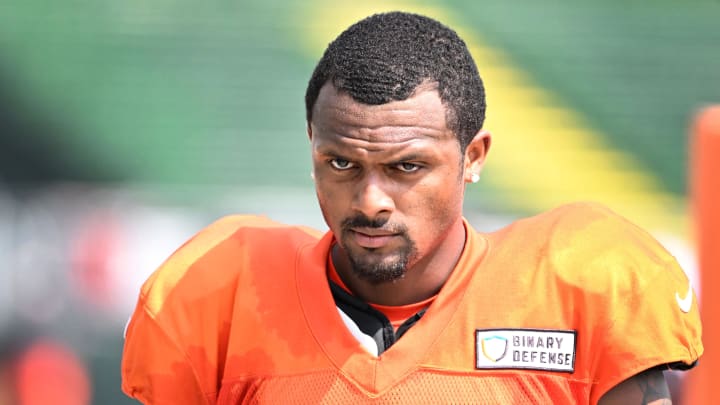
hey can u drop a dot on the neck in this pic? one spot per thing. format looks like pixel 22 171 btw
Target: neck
pixel 423 279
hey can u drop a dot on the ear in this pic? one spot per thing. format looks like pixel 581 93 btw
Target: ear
pixel 475 154
pixel 309 130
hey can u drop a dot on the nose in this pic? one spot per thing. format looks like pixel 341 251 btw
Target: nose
pixel 372 197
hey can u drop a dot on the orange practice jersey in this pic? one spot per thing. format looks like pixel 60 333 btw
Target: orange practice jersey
pixel 554 309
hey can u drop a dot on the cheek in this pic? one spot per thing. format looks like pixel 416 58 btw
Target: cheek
pixel 436 207
pixel 443 192
pixel 330 202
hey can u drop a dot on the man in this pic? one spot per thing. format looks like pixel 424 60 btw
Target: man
pixel 402 302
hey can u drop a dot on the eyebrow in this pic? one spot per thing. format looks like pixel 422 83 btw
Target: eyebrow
pixel 401 156
pixel 339 145
pixel 409 157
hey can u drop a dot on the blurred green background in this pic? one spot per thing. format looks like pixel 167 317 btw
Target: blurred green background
pixel 195 104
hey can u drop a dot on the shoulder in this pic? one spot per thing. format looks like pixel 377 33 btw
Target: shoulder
pixel 612 282
pixel 213 259
pixel 610 247
pixel 591 247
pixel 582 218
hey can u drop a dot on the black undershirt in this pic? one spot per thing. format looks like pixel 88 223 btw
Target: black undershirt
pixel 371 321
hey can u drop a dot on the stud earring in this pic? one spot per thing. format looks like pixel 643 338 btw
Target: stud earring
pixel 474 178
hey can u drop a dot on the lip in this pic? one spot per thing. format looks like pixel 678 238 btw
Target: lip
pixel 372 239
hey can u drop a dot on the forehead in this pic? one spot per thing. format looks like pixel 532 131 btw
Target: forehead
pixel 420 117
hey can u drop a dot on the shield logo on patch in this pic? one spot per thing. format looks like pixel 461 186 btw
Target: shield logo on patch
pixel 494 348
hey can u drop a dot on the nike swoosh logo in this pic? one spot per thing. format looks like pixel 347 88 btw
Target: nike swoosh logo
pixel 685 303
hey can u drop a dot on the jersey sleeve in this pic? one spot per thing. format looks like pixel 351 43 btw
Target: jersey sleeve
pixel 178 337
pixel 642 306
pixel 656 325
pixel 155 370
pixel 170 339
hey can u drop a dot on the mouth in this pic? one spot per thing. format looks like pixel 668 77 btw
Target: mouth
pixel 372 238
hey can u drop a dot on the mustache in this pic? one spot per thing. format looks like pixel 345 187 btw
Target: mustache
pixel 362 221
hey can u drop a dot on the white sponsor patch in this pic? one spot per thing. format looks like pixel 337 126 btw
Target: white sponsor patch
pixel 535 349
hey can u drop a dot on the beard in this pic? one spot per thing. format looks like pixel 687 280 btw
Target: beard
pixel 372 265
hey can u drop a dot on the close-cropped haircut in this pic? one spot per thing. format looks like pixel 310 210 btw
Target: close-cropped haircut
pixel 385 57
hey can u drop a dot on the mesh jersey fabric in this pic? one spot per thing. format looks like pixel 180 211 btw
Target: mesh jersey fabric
pixel 242 313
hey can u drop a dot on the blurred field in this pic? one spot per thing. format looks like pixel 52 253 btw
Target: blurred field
pixel 126 126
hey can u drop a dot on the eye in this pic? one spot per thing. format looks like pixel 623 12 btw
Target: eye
pixel 407 167
pixel 341 164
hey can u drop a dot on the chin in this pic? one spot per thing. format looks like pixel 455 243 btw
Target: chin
pixel 385 270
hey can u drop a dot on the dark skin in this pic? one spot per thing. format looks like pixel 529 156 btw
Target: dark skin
pixel 400 165
pixel 647 388
pixel 397 164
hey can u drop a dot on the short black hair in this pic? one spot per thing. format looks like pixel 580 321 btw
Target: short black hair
pixel 386 56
